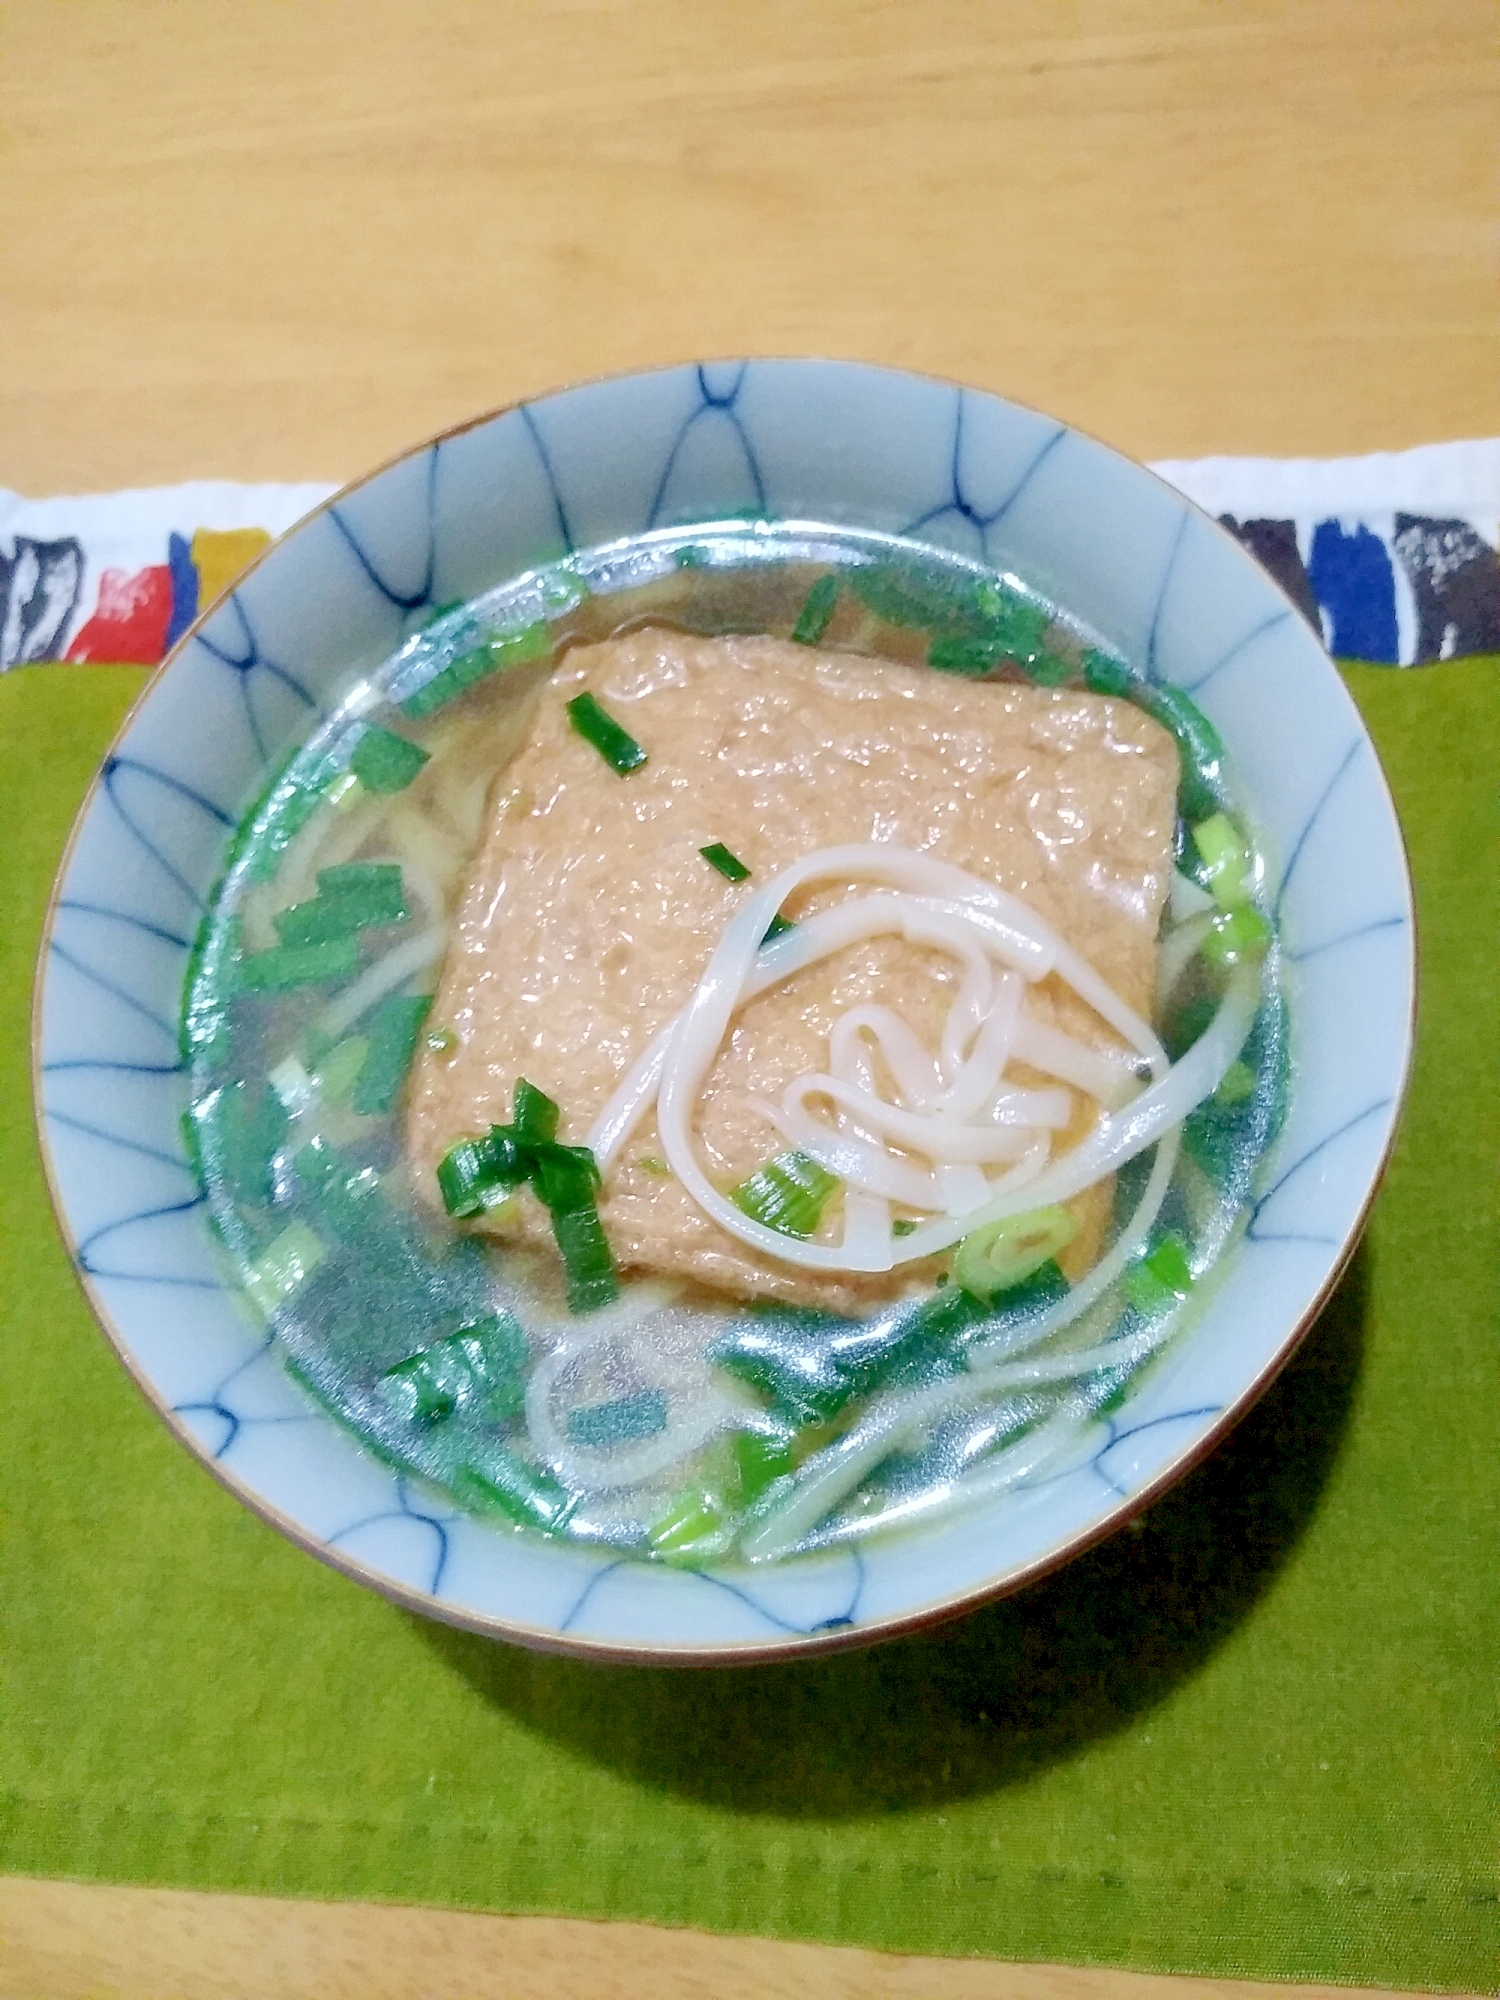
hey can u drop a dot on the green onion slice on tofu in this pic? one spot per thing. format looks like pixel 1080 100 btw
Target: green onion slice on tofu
pixel 588 1264
pixel 730 866
pixel 535 1115
pixel 597 727
pixel 478 1174
pixel 788 1194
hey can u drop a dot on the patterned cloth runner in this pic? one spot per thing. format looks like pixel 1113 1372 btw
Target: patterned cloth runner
pixel 1393 556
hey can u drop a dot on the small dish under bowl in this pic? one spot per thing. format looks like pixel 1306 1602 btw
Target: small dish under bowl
pixel 856 449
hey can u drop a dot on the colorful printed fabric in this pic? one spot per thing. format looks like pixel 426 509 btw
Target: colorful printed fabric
pixel 1392 558
pixel 119 577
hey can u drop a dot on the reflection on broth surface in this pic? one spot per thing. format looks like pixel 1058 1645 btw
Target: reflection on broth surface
pixel 736 1041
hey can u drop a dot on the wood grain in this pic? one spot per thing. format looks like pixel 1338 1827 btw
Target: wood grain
pixel 256 241
pixel 259 241
pixel 69 1941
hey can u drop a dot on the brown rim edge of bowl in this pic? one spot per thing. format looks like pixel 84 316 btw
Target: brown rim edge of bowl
pixel 780 1650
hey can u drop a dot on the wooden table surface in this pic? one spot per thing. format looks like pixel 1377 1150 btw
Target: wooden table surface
pixel 254 241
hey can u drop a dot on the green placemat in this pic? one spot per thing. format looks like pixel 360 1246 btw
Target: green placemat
pixel 1255 1736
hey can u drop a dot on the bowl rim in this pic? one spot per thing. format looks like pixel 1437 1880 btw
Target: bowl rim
pixel 733 1653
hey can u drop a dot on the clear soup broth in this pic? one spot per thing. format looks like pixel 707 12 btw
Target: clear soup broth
pixel 660 1415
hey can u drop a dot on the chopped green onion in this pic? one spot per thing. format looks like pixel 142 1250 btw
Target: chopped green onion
pixel 1235 936
pixel 964 653
pixel 1103 674
pixel 787 1194
pixel 615 745
pixel 778 927
pixel 505 649
pixel 287 966
pixel 362 895
pixel 280 813
pixel 1001 1255
pixel 650 1164
pixel 563 1176
pixel 1238 1084
pixel 1160 1278
pixel 1013 628
pixel 621 1421
pixel 376 882
pixel 283 1266
pixel 729 865
pixel 691 1521
pixel 811 1365
pixel 817 613
pixel 499 1483
pixel 478 1368
pixel 1185 856
pixel 440 1041
pixel 587 1263
pixel 476 1173
pixel 325 919
pixel 393 1027
pixel 340 1068
pixel 419 1389
pixel 760 1460
pixel 293 1084
pixel 1048 670
pixel 1226 860
pixel 904 1225
pixel 385 762
pixel 563 588
pixel 947 1318
pixel 1199 745
pixel 1019 624
pixel 237 1132
pixel 534 1113
pixel 900 594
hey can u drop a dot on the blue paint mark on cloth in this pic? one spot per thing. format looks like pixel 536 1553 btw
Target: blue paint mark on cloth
pixel 184 574
pixel 1355 585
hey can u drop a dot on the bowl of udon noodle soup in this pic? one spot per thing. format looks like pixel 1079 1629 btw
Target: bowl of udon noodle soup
pixel 726 1012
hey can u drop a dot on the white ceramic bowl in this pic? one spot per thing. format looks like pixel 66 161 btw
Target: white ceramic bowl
pixel 811 440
